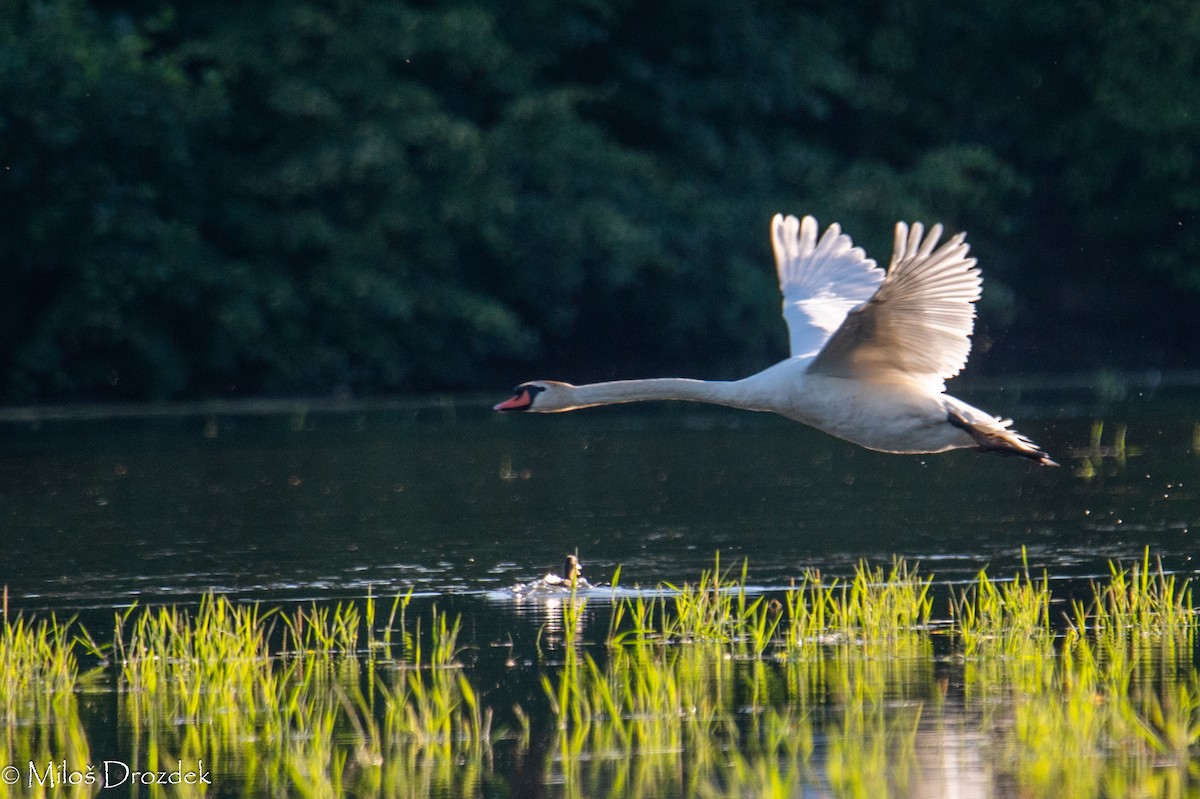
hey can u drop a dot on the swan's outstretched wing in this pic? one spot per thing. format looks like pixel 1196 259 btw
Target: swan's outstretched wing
pixel 821 280
pixel 919 323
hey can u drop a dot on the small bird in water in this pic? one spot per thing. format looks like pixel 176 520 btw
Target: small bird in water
pixel 553 585
pixel 870 351
pixel 572 573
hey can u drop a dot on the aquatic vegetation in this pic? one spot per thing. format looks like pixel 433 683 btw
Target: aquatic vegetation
pixel 1003 618
pixel 716 609
pixel 273 698
pixel 1092 457
pixel 881 608
pixel 37 659
pixel 1141 600
pixel 707 689
pixel 1140 739
pixel 829 671
pixel 873 609
pixel 41 683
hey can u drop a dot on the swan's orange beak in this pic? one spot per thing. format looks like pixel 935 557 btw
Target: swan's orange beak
pixel 517 402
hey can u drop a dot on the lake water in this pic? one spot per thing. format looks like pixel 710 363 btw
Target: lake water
pixel 288 502
pixel 451 498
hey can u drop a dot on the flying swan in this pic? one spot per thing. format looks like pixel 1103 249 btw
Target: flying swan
pixel 869 351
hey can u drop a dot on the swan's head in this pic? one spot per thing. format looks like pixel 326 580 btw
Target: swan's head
pixel 544 396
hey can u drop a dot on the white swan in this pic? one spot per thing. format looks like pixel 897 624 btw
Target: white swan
pixel 870 352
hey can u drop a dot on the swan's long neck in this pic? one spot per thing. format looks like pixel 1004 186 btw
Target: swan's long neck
pixel 662 388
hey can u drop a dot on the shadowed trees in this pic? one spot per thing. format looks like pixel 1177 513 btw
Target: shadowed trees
pixel 306 197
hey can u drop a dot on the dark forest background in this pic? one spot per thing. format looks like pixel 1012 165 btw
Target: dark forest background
pixel 210 199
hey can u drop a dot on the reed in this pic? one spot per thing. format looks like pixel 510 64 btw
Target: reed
pixel 40 687
pixel 1139 742
pixel 716 608
pixel 878 607
pixel 704 689
pixel 37 658
pixel 321 712
pixel 1141 599
pixel 1005 618
pixel 875 608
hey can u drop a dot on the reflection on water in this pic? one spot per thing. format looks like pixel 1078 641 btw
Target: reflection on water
pixel 106 511
pixel 339 702
pixel 472 511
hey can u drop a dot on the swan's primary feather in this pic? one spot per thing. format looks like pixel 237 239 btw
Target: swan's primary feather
pixel 821 280
pixel 919 322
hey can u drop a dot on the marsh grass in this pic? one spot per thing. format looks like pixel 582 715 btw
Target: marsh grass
pixel 1140 600
pixel 40 684
pixel 716 608
pixel 704 689
pixel 876 608
pixel 38 658
pixel 1094 686
pixel 1004 617
pixel 295 699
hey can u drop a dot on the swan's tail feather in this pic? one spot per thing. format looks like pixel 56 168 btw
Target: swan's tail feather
pixel 997 436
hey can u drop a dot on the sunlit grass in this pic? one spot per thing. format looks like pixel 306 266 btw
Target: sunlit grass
pixel 1003 617
pixel 40 684
pixel 875 608
pixel 295 699
pixel 1141 600
pixel 37 659
pixel 707 688
pixel 1075 713
pixel 716 608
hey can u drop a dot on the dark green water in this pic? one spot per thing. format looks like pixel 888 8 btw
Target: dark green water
pixel 284 504
pixel 453 499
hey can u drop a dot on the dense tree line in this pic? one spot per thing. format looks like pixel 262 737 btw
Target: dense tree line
pixel 314 196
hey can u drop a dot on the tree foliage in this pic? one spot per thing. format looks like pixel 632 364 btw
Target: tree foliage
pixel 313 196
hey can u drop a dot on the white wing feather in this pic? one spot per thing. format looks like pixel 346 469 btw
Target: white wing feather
pixel 919 323
pixel 821 280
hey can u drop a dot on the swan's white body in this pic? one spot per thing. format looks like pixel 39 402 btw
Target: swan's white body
pixel 870 352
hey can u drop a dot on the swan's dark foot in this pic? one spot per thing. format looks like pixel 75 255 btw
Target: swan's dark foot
pixel 998 439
